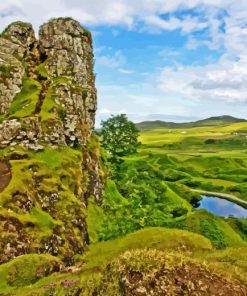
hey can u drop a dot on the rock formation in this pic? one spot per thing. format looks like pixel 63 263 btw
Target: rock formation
pixel 61 64
pixel 47 112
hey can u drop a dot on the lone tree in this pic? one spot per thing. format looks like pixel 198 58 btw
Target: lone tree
pixel 119 136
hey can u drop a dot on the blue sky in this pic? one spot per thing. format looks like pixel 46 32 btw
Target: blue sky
pixel 176 60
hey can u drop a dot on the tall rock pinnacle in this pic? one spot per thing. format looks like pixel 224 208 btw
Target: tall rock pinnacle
pixel 61 64
pixel 49 160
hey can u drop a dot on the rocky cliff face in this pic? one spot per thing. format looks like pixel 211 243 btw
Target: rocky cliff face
pixel 49 155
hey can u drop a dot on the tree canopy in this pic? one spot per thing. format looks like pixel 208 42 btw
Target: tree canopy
pixel 119 136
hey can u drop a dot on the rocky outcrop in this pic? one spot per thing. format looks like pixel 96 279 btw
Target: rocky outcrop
pixel 47 111
pixel 15 46
pixel 67 51
pixel 62 62
pixel 11 75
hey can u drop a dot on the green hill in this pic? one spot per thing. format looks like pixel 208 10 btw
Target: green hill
pixel 211 121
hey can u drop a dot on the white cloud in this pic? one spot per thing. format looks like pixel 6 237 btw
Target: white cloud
pixel 226 80
pixel 104 111
pixel 113 12
pixel 125 71
pixel 141 98
pixel 117 59
pixel 186 25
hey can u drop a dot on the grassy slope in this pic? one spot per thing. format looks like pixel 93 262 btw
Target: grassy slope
pixel 177 244
pixel 157 238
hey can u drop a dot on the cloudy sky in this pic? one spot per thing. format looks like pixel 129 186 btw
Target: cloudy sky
pixel 174 60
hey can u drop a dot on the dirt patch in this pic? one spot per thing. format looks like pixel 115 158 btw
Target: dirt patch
pixel 5 174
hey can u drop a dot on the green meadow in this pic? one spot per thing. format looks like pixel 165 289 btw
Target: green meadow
pixel 213 157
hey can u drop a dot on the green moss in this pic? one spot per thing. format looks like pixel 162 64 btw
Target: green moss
pixel 43 219
pixel 6 70
pixel 41 69
pixel 49 109
pixel 56 158
pixel 24 103
pixel 26 270
pixel 20 174
pixel 94 220
pixel 36 178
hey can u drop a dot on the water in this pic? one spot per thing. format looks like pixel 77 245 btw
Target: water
pixel 222 207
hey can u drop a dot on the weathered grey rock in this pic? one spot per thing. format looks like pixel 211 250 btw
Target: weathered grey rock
pixel 65 48
pixel 11 75
pixel 9 131
pixel 69 54
pixel 16 42
pixel 21 34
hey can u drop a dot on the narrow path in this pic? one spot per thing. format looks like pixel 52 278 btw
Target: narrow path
pixel 5 174
pixel 227 196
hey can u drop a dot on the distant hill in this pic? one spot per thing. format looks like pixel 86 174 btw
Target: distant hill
pixel 211 121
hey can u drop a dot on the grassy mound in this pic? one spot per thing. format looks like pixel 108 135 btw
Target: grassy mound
pixel 218 231
pixel 156 237
pixel 27 269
